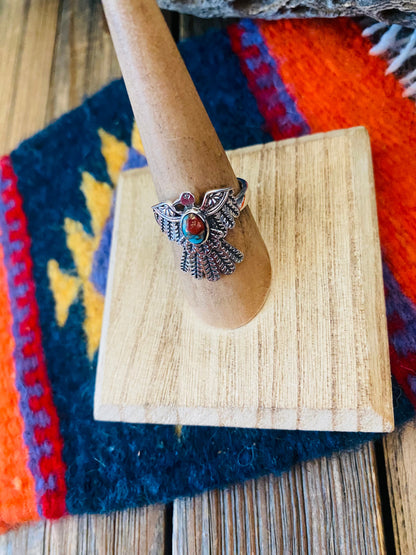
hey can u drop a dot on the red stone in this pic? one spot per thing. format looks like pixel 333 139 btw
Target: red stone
pixel 194 225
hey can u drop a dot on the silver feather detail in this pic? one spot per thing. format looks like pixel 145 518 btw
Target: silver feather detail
pixel 169 220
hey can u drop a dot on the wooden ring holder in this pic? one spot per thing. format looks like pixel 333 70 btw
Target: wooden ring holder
pixel 316 356
pixel 184 154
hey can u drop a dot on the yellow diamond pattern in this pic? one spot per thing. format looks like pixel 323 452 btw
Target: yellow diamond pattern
pixel 66 287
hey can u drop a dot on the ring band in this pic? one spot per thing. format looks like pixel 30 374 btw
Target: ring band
pixel 240 197
pixel 201 230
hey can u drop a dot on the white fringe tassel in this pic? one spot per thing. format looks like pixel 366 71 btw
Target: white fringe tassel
pixel 396 50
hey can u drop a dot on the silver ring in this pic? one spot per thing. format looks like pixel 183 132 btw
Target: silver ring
pixel 201 230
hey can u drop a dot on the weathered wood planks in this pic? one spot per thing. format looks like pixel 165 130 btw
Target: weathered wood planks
pixel 130 531
pixel 400 456
pixel 325 506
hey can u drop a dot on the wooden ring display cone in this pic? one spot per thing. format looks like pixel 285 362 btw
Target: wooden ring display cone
pixel 316 355
pixel 185 154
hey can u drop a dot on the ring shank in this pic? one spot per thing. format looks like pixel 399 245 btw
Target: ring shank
pixel 240 197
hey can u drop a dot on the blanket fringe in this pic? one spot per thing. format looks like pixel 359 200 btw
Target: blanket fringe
pixel 398 45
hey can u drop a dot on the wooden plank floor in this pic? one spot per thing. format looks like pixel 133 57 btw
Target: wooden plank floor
pixel 52 54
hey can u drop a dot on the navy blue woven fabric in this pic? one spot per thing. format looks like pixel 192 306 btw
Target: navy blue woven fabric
pixel 113 466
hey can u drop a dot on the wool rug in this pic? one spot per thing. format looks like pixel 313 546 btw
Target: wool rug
pixel 259 81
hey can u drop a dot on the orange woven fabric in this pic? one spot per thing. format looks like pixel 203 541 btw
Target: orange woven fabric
pixel 318 62
pixel 17 488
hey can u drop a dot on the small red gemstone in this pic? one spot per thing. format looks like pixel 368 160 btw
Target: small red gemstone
pixel 194 225
pixel 187 199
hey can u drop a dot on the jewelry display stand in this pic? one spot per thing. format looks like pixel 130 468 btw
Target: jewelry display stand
pixel 314 358
pixel 296 337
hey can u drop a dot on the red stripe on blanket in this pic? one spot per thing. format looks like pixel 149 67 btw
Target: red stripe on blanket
pixel 42 434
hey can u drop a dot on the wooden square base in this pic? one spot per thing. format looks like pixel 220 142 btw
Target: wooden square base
pixel 315 358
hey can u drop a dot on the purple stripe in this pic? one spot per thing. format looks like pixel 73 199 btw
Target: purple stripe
pixel 401 309
pixel 271 79
pixel 134 160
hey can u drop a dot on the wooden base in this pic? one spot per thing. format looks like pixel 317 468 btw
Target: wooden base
pixel 315 357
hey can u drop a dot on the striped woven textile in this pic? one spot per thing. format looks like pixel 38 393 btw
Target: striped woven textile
pixel 259 81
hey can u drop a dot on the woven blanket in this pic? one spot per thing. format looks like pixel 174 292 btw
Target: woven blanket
pixel 259 81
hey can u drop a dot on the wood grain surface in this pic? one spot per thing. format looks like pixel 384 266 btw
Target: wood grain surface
pixel 325 506
pixel 400 455
pixel 126 532
pixel 315 357
pixel 82 61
